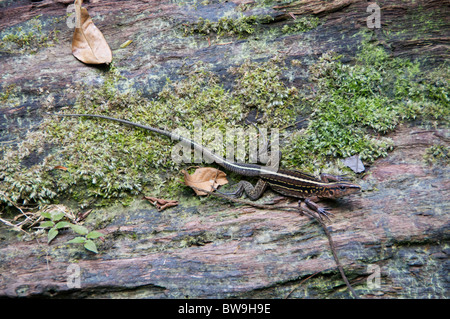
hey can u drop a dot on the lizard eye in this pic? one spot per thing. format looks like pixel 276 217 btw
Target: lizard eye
pixel 342 187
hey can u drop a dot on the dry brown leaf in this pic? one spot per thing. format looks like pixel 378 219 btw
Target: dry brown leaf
pixel 160 203
pixel 207 178
pixel 60 167
pixel 88 43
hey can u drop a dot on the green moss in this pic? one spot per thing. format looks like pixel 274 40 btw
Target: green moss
pixel 259 87
pixel 28 37
pixel 241 27
pixel 9 96
pixel 302 24
pixel 425 21
pixel 199 239
pixel 245 26
pixel 355 105
pixel 437 154
pixel 108 162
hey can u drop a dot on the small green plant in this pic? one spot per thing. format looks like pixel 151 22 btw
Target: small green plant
pixel 54 223
pixel 8 92
pixel 85 238
pixel 58 218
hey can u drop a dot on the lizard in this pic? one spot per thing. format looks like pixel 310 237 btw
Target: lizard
pixel 291 183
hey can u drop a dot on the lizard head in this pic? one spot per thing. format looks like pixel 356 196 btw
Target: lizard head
pixel 340 189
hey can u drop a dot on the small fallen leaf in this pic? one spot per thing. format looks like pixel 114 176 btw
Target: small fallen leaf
pixel 125 44
pixel 60 167
pixel 354 163
pixel 224 43
pixel 88 43
pixel 207 178
pixel 160 203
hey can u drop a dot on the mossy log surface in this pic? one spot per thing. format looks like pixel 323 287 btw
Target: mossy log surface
pixel 398 225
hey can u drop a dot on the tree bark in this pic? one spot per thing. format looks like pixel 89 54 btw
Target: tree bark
pixel 397 228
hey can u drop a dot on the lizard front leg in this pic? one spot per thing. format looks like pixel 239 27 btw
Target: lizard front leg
pixel 320 210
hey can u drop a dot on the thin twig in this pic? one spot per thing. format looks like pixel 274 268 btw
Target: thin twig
pixel 300 210
pixel 336 258
pixel 17 227
pixel 14 204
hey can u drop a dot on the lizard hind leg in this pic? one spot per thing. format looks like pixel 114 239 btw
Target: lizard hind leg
pixel 252 192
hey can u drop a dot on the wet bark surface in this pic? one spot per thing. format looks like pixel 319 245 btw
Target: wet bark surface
pixel 398 226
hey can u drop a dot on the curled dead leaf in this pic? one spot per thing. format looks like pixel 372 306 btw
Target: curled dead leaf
pixel 88 43
pixel 60 167
pixel 160 203
pixel 207 178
